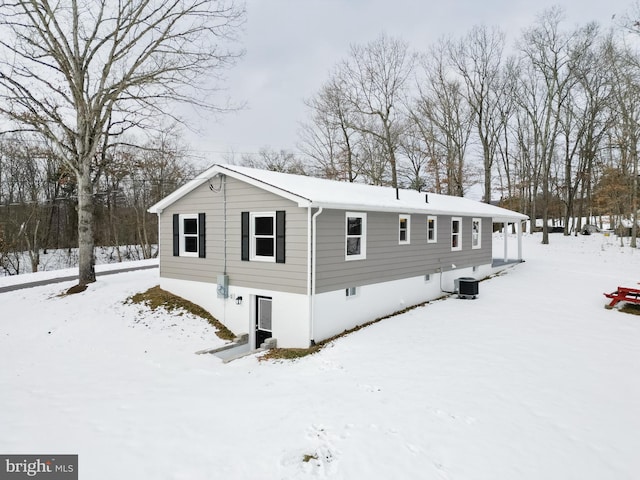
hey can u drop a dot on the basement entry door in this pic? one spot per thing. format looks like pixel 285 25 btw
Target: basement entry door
pixel 263 320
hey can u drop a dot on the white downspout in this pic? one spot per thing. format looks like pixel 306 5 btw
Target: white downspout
pixel 223 180
pixel 224 220
pixel 311 280
pixel 159 212
pixel 309 267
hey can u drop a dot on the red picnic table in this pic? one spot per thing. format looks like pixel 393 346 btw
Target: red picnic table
pixel 623 294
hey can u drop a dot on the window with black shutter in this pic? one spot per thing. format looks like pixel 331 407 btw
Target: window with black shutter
pixel 189 235
pixel 263 236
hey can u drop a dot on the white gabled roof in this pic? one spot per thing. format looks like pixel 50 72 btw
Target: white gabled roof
pixel 319 192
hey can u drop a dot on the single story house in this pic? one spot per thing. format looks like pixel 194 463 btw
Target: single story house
pixel 301 259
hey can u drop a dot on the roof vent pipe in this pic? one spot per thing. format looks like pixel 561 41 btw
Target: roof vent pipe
pixel 426 198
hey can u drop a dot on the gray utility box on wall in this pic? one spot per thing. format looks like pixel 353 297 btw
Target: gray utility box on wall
pixel 466 287
pixel 223 286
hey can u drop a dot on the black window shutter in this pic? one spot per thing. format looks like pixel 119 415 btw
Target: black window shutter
pixel 176 235
pixel 202 253
pixel 245 236
pixel 280 224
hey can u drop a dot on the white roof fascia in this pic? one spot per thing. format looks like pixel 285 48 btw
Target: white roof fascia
pixel 281 192
pixel 368 208
pixel 498 217
pixel 503 219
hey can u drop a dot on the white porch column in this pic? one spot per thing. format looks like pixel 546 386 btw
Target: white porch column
pixel 506 233
pixel 519 240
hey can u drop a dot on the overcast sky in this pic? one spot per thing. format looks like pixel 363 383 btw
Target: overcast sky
pixel 291 46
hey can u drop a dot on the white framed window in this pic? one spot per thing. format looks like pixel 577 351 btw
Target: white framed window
pixel 456 233
pixel 476 233
pixel 432 229
pixel 351 291
pixel 262 234
pixel 356 236
pixel 188 233
pixel 427 277
pixel 404 229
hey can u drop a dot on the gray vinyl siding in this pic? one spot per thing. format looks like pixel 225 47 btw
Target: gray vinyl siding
pixel 290 276
pixel 386 259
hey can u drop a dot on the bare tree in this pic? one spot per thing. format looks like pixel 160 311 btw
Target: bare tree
pixel 28 192
pixel 625 70
pixel 585 120
pixel 277 161
pixel 478 59
pixel 376 76
pixel 77 73
pixel 510 187
pixel 444 116
pixel 329 138
pixel 551 55
pixel 154 171
pixel 418 154
pixel 373 161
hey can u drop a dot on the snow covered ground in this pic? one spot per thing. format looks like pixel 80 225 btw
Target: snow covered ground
pixel 532 380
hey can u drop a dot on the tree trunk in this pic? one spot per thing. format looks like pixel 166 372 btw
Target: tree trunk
pixel 86 261
pixel 487 178
pixel 390 146
pixel 581 206
pixel 112 207
pixel 634 200
pixel 33 248
pixel 394 173
pixel 545 206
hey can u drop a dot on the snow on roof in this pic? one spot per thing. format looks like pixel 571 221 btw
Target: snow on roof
pixel 331 194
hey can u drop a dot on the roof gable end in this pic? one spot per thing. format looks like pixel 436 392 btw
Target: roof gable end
pixel 211 173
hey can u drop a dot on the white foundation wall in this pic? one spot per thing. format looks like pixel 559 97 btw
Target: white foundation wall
pixel 290 312
pixel 335 312
pixel 482 271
